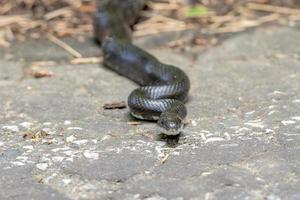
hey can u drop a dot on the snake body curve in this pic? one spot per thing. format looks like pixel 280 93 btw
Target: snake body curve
pixel 164 88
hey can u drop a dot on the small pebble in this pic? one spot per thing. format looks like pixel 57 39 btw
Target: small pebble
pixel 17 163
pixel 91 155
pixel 26 124
pixel 47 123
pixel 80 142
pixel 67 122
pixel 287 122
pixel 11 128
pixel 214 139
pixel 42 166
pixel 57 159
pixel 75 128
pixel 71 138
pixel 28 147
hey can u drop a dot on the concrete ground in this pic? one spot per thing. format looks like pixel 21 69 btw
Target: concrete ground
pixel 242 140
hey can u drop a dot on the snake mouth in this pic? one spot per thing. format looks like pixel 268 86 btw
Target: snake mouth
pixel 170 132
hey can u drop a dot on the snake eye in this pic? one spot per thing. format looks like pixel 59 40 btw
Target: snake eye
pixel 161 122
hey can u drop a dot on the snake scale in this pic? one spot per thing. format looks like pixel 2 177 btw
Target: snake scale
pixel 164 88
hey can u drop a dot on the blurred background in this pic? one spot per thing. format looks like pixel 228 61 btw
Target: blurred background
pixel 23 19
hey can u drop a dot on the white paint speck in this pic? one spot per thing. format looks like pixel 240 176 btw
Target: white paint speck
pixel 26 124
pixel 272 107
pixel 230 145
pixel 296 101
pixel 194 123
pixel 105 137
pixel 75 128
pixel 243 129
pixel 287 122
pixel 273 197
pixel 67 122
pixel 66 181
pixel 289 139
pixel 276 92
pixel 11 128
pixel 256 133
pixel 88 187
pixel 95 141
pixel 205 131
pixel 206 173
pixel 71 138
pixel 42 166
pixel 68 153
pixel 214 139
pixel 234 127
pixel 259 179
pixel 297 118
pixel 269 131
pixel 80 142
pixel 272 112
pixel 141 141
pixel 17 163
pixel 60 149
pixel 70 159
pixel 290 134
pixel 29 147
pixel 47 123
pixel 91 155
pixel 255 123
pixel 1 143
pixel 23 158
pixel 47 130
pixel 203 137
pixel 250 113
pixel 57 159
pixel 227 136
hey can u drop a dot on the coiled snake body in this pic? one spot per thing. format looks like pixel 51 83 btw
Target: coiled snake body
pixel 164 88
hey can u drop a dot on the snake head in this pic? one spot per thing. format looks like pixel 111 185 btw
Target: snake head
pixel 170 124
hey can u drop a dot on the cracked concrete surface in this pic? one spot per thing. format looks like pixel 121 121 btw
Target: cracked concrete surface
pixel 242 142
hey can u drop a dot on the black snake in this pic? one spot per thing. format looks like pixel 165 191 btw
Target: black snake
pixel 164 88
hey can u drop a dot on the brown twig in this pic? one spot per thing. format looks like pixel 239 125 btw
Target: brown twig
pixel 13 19
pixel 66 11
pixel 159 24
pixel 88 60
pixel 134 123
pixel 275 9
pixel 294 17
pixel 64 45
pixel 42 73
pixel 243 24
pixel 42 63
pixel 115 105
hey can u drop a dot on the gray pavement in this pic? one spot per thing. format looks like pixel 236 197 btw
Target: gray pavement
pixel 242 140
